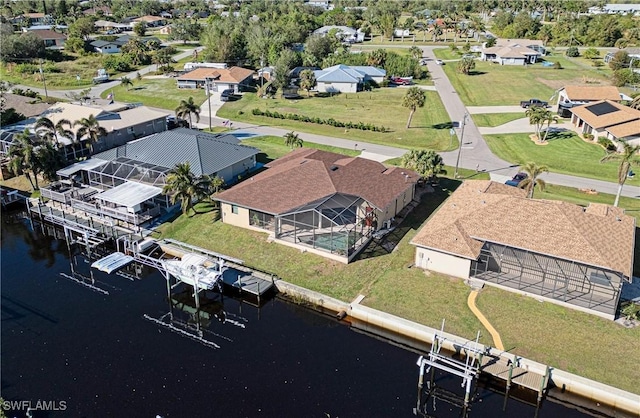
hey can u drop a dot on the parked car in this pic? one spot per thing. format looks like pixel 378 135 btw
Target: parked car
pixel 227 95
pixel 515 181
pixel 401 81
pixel 533 102
pixel 439 62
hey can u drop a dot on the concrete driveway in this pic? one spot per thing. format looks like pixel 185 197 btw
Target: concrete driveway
pixel 519 126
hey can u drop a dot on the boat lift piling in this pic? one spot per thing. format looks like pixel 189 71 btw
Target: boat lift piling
pixel 467 370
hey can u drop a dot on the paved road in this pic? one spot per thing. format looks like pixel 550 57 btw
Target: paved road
pixel 474 153
pixel 521 126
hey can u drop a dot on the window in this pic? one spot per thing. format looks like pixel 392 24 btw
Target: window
pixel 234 209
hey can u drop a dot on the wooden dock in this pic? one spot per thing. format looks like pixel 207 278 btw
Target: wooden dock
pixel 247 283
pixel 510 372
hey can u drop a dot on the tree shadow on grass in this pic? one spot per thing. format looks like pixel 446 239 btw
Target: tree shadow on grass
pixel 474 72
pixel 559 134
pixel 444 125
pixel 137 88
pixel 413 221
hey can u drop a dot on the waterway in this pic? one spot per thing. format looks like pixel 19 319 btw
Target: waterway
pixel 94 353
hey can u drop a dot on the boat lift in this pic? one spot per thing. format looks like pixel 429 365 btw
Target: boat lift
pixel 467 369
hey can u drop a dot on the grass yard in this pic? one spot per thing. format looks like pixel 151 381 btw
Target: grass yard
pixel 156 92
pixel 448 54
pixel 565 153
pixel 273 147
pixel 381 107
pixel 495 119
pixel 495 85
pixel 543 332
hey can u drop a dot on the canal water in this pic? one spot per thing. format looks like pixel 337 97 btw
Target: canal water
pixel 97 352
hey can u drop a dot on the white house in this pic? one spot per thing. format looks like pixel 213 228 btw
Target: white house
pixel 345 79
pixel 514 54
pixel 106 47
pixel 345 33
pixel 616 8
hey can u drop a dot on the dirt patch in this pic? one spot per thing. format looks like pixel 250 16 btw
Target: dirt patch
pixel 579 81
pixel 536 141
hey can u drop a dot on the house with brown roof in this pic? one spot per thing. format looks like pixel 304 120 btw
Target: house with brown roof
pixel 551 250
pixel 218 79
pixel 321 202
pixel 577 95
pixel 51 38
pixel 150 21
pixel 513 54
pixel 609 119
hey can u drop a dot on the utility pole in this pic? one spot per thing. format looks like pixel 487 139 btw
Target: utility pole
pixel 208 90
pixel 46 95
pixel 464 122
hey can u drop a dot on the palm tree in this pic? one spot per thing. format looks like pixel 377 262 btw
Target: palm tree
pixel 126 81
pixel 635 103
pixel 629 156
pixel 23 158
pixel 536 117
pixel 427 163
pixel 533 172
pixel 184 186
pixel 414 99
pixel 49 160
pixel 547 118
pixel 307 80
pixel 415 52
pixel 292 140
pixel 90 127
pixel 465 65
pixel 437 31
pixel 51 132
pixel 187 108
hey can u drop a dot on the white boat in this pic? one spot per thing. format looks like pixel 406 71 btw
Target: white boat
pixel 196 270
pixel 112 262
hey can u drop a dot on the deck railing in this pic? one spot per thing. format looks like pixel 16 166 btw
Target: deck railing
pixel 105 211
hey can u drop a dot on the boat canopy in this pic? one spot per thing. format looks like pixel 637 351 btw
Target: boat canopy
pixel 82 165
pixel 129 194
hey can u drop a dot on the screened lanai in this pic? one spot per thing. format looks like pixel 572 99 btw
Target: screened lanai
pixel 571 282
pixel 122 169
pixel 340 224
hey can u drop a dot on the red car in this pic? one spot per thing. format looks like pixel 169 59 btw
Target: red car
pixel 400 81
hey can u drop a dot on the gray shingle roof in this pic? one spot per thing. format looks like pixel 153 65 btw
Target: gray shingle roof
pixel 207 153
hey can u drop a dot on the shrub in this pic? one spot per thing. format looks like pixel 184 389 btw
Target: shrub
pixel 117 63
pixel 26 68
pixel 319 121
pixel 572 51
pixel 588 136
pixel 453 47
pixel 606 143
pixel 557 65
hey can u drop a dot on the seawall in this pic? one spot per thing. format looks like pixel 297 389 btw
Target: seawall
pixel 420 337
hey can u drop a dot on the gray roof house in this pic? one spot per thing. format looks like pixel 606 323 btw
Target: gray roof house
pixel 106 47
pixel 345 33
pixel 346 79
pixel 210 154
pixel 126 183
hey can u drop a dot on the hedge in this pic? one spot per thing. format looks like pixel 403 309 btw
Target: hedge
pixel 309 119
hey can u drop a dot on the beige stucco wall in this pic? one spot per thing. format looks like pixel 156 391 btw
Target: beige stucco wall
pixel 240 219
pixel 442 263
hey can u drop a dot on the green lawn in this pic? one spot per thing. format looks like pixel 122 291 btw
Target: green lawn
pixel 156 92
pixel 565 153
pixel 495 119
pixel 447 54
pixel 273 147
pixel 494 85
pixel 547 333
pixel 381 107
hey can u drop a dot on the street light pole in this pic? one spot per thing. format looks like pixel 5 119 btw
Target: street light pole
pixel 464 122
pixel 43 80
pixel 209 101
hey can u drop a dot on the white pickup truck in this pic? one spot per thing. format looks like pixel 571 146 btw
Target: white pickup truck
pixel 102 77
